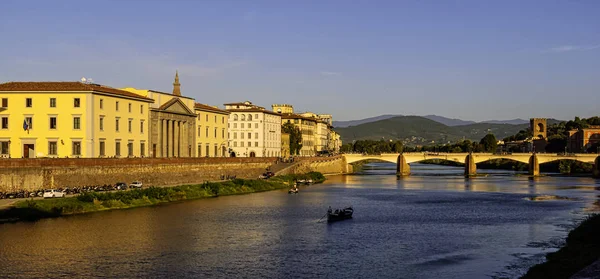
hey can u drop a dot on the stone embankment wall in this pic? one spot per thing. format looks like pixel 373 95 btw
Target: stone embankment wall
pixel 324 165
pixel 34 174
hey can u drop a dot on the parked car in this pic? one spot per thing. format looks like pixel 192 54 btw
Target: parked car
pixel 135 184
pixel 121 186
pixel 270 174
pixel 51 193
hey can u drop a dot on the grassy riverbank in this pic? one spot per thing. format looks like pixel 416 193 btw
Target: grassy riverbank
pixel 100 201
pixel 582 249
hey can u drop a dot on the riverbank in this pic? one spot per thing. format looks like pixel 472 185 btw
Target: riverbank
pixel 582 249
pixel 30 210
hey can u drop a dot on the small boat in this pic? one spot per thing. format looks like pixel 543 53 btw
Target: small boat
pixel 339 214
pixel 293 190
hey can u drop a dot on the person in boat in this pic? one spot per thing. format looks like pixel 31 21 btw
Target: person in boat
pixel 329 210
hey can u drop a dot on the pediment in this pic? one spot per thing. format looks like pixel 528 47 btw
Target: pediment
pixel 175 105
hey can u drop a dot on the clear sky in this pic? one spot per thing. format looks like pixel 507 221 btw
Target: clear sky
pixel 474 60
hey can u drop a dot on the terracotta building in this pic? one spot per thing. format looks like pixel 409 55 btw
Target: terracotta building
pixel 580 140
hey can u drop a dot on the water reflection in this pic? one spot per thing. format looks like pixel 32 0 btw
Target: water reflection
pixel 426 225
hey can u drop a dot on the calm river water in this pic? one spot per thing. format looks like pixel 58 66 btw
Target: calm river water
pixel 434 224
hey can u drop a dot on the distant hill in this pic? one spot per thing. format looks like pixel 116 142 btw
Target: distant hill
pixel 348 123
pixel 417 130
pixel 517 121
pixel 448 121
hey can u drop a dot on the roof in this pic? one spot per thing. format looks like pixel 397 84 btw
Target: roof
pixel 67 86
pixel 209 108
pixel 298 116
pixel 253 110
pixel 167 93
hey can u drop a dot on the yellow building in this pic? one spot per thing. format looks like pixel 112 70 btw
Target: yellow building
pixel 172 122
pixel 212 133
pixel 71 119
pixel 285 145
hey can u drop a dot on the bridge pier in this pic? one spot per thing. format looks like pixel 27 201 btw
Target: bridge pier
pixel 534 165
pixel 470 167
pixel 596 169
pixel 402 167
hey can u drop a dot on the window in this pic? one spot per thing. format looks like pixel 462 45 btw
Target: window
pixel 216 150
pixel 215 132
pixel 101 123
pixel 243 117
pixel 242 144
pixel 235 117
pixel 256 135
pixel 223 132
pixel 223 119
pixel 234 135
pixel 76 102
pixel 256 144
pixel 101 104
pixel 4 148
pixel 129 107
pixel 76 148
pixel 142 127
pixel 215 122
pixel 235 125
pixel 52 148
pixel 142 109
pixel 117 124
pixel 118 148
pixel 4 122
pixel 142 149
pixel 249 117
pixel 130 149
pixel 235 144
pixel 129 125
pixel 207 121
pixel 207 132
pixel 256 116
pixel 199 118
pixel 199 149
pixel 249 144
pixel 242 125
pixel 242 135
pixel 28 102
pixel 102 148
pixel 53 123
pixel 76 123
pixel 256 125
pixel 117 106
pixel 207 150
pixel 4 102
pixel 199 130
pixel 249 135
pixel 29 121
pixel 52 102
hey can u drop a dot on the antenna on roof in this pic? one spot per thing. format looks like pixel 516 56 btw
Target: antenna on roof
pixel 83 79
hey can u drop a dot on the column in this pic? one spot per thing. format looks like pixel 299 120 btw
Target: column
pixel 163 144
pixel 402 167
pixel 169 138
pixel 178 135
pixel 184 140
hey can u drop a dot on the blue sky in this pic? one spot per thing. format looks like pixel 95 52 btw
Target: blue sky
pixel 474 60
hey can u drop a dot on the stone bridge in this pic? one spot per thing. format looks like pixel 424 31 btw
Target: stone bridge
pixel 471 159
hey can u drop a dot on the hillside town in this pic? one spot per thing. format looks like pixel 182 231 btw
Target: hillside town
pixel 82 119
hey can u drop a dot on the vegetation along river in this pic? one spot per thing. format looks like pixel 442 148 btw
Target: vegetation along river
pixel 433 224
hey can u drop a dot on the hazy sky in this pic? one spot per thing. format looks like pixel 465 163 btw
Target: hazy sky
pixel 474 60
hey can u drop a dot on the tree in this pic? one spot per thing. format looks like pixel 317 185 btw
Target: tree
pixel 489 143
pixel 295 137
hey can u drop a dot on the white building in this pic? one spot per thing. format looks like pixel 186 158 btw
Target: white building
pixel 253 131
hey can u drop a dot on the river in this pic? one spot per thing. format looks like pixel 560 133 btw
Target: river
pixel 433 224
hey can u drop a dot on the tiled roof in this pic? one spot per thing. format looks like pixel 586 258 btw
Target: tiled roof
pixel 66 86
pixel 253 110
pixel 210 108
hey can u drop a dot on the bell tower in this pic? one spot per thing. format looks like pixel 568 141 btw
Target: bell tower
pixel 538 127
pixel 176 85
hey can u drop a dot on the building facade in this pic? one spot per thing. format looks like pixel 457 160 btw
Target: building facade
pixel 253 131
pixel 285 145
pixel 72 119
pixel 584 140
pixel 172 122
pixel 212 133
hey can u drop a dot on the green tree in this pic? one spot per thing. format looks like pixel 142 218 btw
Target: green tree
pixel 295 137
pixel 489 143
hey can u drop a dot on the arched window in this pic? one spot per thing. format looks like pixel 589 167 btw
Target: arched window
pixel 243 117
pixel 249 117
pixel 235 118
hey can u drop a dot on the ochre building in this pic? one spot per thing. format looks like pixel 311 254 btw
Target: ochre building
pixel 72 119
pixel 212 132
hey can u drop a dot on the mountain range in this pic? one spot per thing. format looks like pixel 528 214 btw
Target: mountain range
pixel 444 120
pixel 423 130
